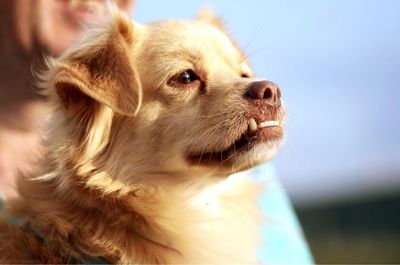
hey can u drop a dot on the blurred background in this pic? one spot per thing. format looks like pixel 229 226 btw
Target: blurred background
pixel 338 65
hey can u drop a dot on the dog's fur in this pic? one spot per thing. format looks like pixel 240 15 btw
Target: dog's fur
pixel 131 174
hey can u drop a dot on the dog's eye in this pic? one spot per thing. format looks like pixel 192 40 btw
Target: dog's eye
pixel 245 75
pixel 186 77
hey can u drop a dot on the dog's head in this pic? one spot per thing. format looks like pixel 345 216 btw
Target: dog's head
pixel 172 98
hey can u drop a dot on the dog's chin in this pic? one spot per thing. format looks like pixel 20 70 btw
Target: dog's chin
pixel 248 150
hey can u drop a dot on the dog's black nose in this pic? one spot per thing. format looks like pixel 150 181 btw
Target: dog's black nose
pixel 264 90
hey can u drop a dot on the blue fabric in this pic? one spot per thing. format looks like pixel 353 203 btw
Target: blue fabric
pixel 282 238
pixel 4 216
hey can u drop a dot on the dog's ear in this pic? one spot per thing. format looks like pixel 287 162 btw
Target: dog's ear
pixel 102 68
pixel 208 16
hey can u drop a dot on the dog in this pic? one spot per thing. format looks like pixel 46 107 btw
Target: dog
pixel 148 123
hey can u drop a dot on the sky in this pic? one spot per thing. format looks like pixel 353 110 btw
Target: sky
pixel 338 66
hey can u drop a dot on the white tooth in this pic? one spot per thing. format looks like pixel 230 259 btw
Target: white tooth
pixel 268 124
pixel 252 124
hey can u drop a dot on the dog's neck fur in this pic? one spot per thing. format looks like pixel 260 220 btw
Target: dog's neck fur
pixel 146 225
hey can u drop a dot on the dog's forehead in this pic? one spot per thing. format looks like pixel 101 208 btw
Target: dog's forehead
pixel 194 38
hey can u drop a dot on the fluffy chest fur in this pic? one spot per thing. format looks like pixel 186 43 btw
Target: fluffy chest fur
pixel 214 224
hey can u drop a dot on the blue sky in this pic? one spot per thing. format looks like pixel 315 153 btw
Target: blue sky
pixel 338 65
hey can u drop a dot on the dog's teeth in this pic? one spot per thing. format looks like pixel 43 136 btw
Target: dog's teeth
pixel 268 124
pixel 252 124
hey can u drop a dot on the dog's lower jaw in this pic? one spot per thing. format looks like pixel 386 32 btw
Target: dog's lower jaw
pixel 237 161
pixel 180 225
pixel 259 154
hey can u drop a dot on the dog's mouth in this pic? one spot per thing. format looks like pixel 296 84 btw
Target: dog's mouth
pixel 257 131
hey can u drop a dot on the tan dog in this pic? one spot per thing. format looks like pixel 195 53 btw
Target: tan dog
pixel 149 121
